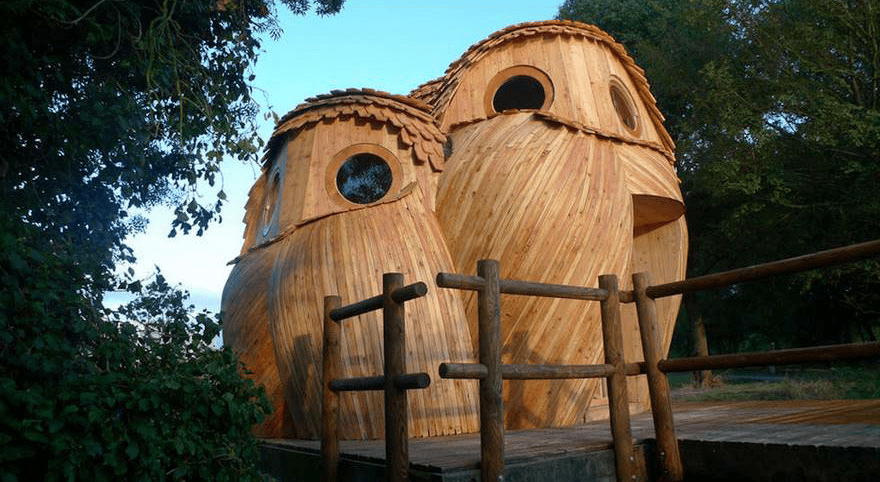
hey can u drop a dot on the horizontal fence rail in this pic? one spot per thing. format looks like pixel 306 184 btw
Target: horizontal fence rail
pixel 846 254
pixel 792 356
pixel 476 371
pixel 401 295
pixel 515 287
pixel 407 381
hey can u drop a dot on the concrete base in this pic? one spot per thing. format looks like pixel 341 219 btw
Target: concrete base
pixel 738 461
pixel 703 461
pixel 813 441
pixel 288 464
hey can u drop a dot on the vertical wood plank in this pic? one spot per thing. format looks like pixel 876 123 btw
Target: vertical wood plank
pixel 396 423
pixel 491 404
pixel 330 401
pixel 658 385
pixel 618 401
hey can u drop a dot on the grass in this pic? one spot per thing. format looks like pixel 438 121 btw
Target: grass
pixel 855 381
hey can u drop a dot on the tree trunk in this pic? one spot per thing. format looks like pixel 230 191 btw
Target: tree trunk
pixel 698 334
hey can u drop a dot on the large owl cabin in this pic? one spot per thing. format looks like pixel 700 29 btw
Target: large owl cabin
pixel 541 147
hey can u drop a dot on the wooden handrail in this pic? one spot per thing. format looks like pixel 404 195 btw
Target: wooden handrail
pixel 517 287
pixel 401 295
pixel 790 356
pixel 476 371
pixel 830 257
pixel 491 372
pixel 406 381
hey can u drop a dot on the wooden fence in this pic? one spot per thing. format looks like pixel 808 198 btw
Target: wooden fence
pixel 491 372
pixel 395 381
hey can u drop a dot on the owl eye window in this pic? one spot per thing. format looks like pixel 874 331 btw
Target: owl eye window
pixel 624 106
pixel 269 203
pixel 519 92
pixel 519 87
pixel 364 178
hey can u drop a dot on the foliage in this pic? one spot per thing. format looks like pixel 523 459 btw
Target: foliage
pixel 857 381
pixel 138 393
pixel 842 381
pixel 774 107
pixel 108 107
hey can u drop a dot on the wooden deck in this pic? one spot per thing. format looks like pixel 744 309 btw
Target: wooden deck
pixel 792 436
pixel 840 423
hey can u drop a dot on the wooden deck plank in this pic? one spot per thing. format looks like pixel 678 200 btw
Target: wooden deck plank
pixel 826 423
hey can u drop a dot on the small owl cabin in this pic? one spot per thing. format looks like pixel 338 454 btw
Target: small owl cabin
pixel 540 147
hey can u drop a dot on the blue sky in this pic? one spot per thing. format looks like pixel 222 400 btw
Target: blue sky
pixel 386 45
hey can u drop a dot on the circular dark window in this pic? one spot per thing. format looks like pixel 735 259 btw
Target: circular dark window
pixel 363 178
pixel 519 92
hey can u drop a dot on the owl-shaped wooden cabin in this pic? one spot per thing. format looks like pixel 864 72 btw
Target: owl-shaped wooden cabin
pixel 541 147
pixel 561 170
pixel 347 194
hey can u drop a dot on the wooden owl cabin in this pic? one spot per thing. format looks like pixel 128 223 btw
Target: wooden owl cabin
pixel 561 170
pixel 347 193
pixel 541 147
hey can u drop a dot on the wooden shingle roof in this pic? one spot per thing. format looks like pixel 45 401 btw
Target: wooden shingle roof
pixel 418 128
pixel 439 92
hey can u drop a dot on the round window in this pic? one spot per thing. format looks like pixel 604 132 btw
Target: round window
pixel 364 178
pixel 519 92
pixel 624 107
pixel 520 87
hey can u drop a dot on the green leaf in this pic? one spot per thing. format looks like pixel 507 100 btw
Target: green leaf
pixel 132 450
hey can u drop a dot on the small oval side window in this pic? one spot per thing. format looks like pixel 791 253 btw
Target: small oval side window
pixel 624 106
pixel 269 203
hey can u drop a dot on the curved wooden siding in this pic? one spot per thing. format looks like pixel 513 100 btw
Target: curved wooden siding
pixel 346 254
pixel 649 173
pixel 580 71
pixel 551 204
pixel 579 58
pixel 251 213
pixel 246 330
pixel 304 240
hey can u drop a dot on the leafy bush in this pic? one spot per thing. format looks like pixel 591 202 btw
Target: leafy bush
pixel 137 393
pixel 857 380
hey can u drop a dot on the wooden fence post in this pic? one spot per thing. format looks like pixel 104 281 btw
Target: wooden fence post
pixel 491 401
pixel 618 401
pixel 658 385
pixel 330 400
pixel 396 420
